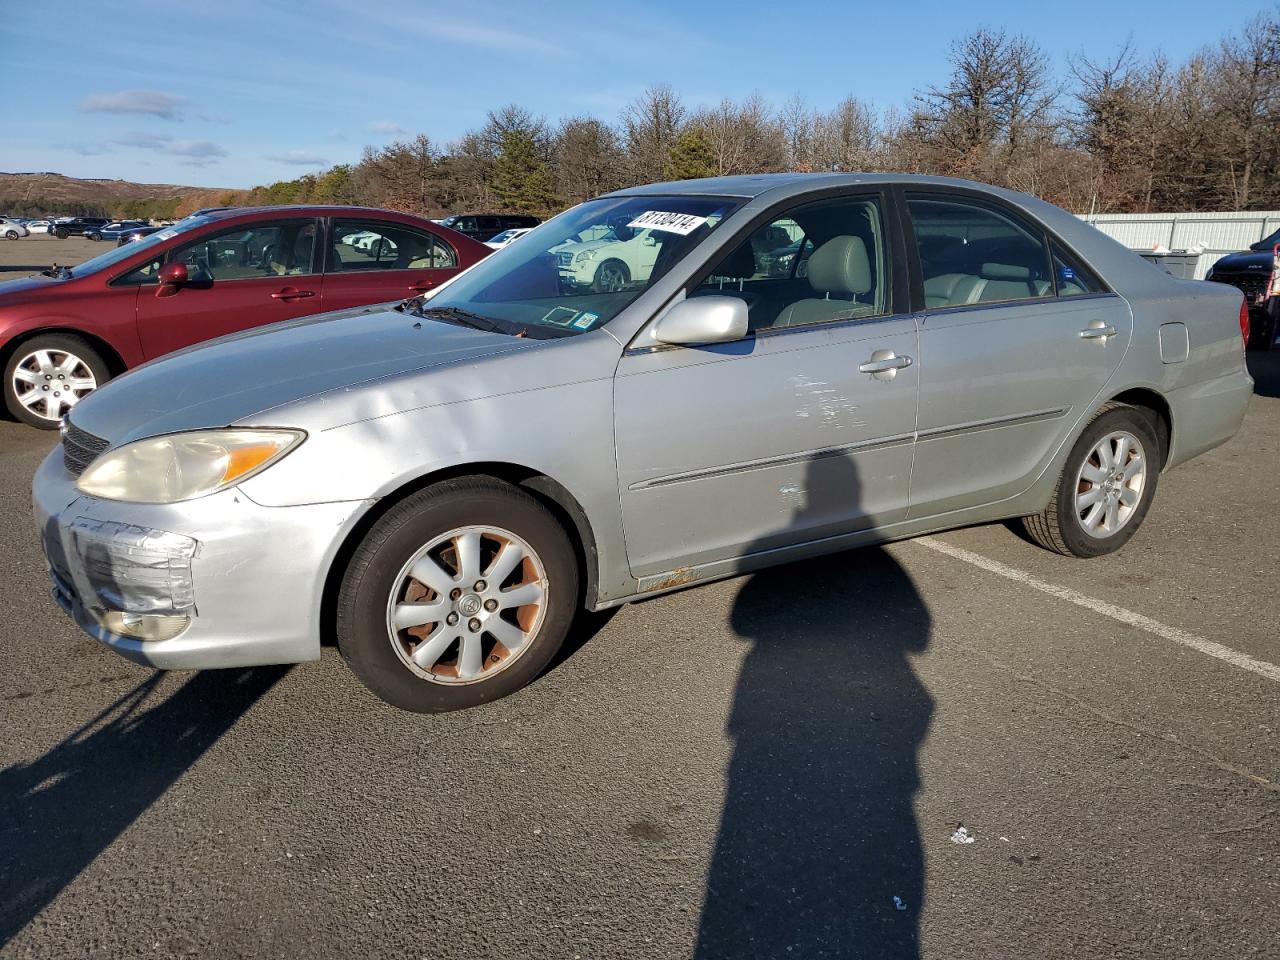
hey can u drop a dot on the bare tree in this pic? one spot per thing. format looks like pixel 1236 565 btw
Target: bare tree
pixel 650 125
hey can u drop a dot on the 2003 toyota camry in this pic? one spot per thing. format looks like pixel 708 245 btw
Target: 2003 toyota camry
pixel 442 485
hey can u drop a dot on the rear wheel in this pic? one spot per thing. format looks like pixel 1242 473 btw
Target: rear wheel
pixel 460 595
pixel 61 234
pixel 11 234
pixel 1106 487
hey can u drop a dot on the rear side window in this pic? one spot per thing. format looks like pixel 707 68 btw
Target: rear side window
pixel 370 245
pixel 971 254
pixel 1071 278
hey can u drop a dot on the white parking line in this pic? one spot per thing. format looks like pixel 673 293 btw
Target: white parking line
pixel 1208 647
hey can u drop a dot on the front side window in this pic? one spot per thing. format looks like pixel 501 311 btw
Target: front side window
pixel 971 253
pixel 276 248
pixel 360 245
pixel 820 263
pixel 579 271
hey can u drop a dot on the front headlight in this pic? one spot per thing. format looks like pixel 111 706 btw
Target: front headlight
pixel 584 255
pixel 183 466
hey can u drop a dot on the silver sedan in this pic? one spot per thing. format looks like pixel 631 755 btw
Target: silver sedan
pixel 444 483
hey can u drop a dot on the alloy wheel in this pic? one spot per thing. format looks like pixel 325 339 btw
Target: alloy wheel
pixel 467 605
pixel 1110 483
pixel 50 382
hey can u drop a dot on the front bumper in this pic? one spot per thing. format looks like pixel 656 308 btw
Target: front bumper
pixel 250 578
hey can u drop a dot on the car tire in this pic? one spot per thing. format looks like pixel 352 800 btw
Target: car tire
pixel 459 661
pixel 61 234
pixel 610 277
pixel 11 234
pixel 1071 524
pixel 59 346
pixel 1262 335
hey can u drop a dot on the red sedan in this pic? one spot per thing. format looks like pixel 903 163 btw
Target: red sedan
pixel 67 331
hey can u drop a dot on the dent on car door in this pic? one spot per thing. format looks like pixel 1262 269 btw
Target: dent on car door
pixel 801 431
pixel 1019 339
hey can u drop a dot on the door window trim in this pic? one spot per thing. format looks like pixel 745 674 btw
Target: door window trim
pixel 981 198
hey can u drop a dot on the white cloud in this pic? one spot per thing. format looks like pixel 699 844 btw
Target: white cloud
pixel 196 153
pixel 298 158
pixel 145 140
pixel 386 127
pixel 152 103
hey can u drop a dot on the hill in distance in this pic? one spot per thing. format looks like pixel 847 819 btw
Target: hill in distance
pixel 32 193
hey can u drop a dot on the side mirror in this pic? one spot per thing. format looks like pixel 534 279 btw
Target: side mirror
pixel 709 319
pixel 172 276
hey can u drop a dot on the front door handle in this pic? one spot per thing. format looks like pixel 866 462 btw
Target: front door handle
pixel 422 286
pixel 1097 330
pixel 884 365
pixel 289 293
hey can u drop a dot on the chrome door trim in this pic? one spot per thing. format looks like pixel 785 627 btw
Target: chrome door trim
pixel 974 426
pixel 745 466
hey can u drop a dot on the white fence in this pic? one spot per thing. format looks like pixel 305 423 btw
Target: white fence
pixel 1220 233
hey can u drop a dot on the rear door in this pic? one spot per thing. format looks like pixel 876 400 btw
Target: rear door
pixel 241 277
pixel 397 263
pixel 1017 339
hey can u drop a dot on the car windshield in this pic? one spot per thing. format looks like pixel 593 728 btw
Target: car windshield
pixel 577 272
pixel 116 254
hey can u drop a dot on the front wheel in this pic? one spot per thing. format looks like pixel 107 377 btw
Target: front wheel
pixel 1262 333
pixel 11 234
pixel 1106 487
pixel 461 594
pixel 61 234
pixel 611 276
pixel 48 375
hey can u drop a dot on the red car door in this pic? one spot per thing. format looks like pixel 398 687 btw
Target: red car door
pixel 245 276
pixel 373 261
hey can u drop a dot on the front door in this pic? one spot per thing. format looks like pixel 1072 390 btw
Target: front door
pixel 1018 339
pixel 247 276
pixel 802 431
pixel 373 261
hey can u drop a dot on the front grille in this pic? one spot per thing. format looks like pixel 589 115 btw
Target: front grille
pixel 1252 285
pixel 565 258
pixel 80 448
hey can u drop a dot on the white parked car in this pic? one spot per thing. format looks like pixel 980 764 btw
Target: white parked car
pixel 360 240
pixel 506 237
pixel 612 261
pixel 38 226
pixel 12 229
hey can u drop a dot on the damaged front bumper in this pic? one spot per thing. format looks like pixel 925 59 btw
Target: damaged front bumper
pixel 215 582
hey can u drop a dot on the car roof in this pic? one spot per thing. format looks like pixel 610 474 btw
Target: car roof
pixel 751 186
pixel 309 210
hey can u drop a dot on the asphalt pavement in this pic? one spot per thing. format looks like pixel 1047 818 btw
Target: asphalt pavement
pixel 773 766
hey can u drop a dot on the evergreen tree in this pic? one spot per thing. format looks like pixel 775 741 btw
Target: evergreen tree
pixel 522 179
pixel 690 156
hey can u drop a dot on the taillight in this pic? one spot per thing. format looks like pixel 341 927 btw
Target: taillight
pixel 1244 322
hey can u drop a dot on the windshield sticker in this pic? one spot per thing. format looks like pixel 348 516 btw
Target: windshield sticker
pixel 586 320
pixel 560 316
pixel 167 234
pixel 681 223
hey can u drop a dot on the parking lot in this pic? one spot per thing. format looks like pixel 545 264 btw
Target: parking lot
pixel 777 765
pixel 30 255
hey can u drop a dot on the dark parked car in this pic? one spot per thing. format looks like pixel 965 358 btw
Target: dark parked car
pixel 76 226
pixel 1256 273
pixel 65 332
pixel 113 230
pixel 482 226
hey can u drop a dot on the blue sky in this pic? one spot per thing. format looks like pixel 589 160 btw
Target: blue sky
pixel 235 93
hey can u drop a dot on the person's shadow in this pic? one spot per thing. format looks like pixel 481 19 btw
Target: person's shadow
pixel 819 851
pixel 58 812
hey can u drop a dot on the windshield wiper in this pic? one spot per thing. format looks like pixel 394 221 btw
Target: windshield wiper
pixel 464 317
pixel 57 272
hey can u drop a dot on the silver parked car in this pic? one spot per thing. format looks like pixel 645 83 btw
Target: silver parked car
pixel 444 483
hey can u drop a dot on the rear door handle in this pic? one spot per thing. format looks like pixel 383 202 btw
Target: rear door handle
pixel 291 294
pixel 1097 330
pixel 884 365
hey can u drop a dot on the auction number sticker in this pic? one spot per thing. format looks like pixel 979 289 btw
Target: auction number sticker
pixel 681 223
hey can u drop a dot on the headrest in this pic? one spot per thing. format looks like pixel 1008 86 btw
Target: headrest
pixel 740 264
pixel 1005 271
pixel 840 266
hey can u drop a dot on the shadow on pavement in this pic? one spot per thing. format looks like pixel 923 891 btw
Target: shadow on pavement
pixel 1265 370
pixel 819 851
pixel 62 810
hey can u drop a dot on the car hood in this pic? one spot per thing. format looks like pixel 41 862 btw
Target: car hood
pixel 13 292
pixel 228 380
pixel 1253 261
